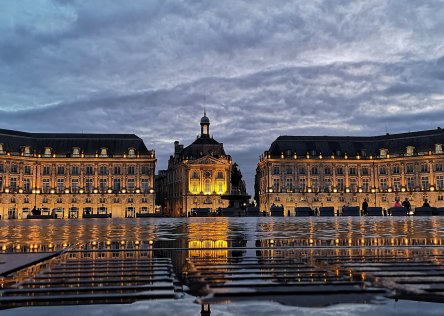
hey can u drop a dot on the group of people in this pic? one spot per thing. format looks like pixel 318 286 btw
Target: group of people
pixel 406 204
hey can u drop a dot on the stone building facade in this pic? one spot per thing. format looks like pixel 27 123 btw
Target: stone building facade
pixel 73 174
pixel 315 171
pixel 197 175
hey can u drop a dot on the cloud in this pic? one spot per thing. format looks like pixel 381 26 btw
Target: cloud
pixel 261 70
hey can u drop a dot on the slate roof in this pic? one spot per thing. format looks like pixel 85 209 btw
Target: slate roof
pixel 63 143
pixel 203 146
pixel 423 141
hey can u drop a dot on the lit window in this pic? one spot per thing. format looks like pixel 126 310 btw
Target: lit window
pixel 47 152
pixel 103 152
pixel 76 152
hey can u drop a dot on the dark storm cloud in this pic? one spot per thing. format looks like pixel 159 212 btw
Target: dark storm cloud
pixel 261 70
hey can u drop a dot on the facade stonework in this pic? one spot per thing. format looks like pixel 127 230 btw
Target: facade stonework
pixel 197 176
pixel 322 171
pixel 74 174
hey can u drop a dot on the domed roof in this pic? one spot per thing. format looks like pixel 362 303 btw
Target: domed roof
pixel 205 119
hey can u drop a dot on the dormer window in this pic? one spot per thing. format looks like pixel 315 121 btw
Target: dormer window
pixel 76 152
pixel 438 148
pixel 103 152
pixel 27 151
pixel 131 152
pixel 47 152
pixel 410 150
pixel 383 152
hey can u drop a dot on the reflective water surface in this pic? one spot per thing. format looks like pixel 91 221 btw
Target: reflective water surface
pixel 296 264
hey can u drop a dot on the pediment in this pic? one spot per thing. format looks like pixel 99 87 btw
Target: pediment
pixel 208 160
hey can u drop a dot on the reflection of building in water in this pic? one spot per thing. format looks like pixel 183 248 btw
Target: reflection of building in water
pixel 196 177
pixel 315 171
pixel 75 174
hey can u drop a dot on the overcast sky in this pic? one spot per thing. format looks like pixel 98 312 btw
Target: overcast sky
pixel 260 68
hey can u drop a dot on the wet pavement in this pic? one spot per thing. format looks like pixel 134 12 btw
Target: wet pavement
pixel 297 265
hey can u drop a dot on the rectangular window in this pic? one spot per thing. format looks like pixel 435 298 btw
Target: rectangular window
pixel 103 185
pixel 364 171
pixel 339 171
pixel 131 170
pixel 382 170
pixel 327 185
pixel 130 185
pixel 2 168
pixel 409 168
pixel 424 183
pixel 146 186
pixel 289 183
pixel 352 171
pixel 89 170
pixel 116 185
pixel 314 170
pixel 424 167
pixel 395 169
pixel 74 185
pixel 289 170
pixel 46 187
pixel 220 175
pixel 145 170
pixel 75 170
pixel 410 183
pixel 440 182
pixel 60 170
pixel 103 170
pixel 302 184
pixel 27 185
pixel 327 171
pixel 396 184
pixel 301 170
pixel 438 167
pixel 46 170
pixel 276 170
pixel 383 184
pixel 366 185
pixel 353 185
pixel 60 185
pixel 14 168
pixel 116 170
pixel 315 184
pixel 27 170
pixel 340 184
pixel 88 185
pixel 276 186
pixel 13 184
pixel 1 184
